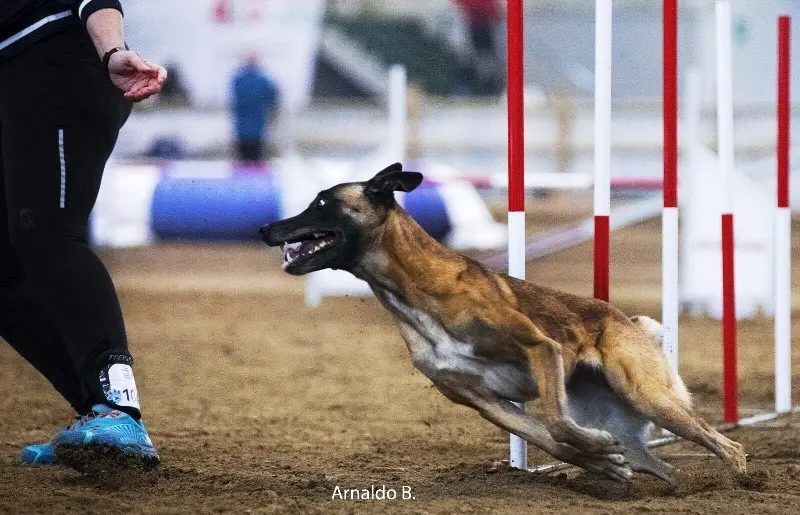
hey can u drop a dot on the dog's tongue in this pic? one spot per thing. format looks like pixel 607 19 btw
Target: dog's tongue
pixel 291 250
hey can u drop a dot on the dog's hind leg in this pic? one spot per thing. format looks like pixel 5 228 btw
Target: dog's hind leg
pixel 640 373
pixel 593 403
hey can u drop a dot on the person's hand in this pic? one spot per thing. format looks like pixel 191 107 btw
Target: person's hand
pixel 137 78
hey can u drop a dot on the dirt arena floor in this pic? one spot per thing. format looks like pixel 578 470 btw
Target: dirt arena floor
pixel 259 404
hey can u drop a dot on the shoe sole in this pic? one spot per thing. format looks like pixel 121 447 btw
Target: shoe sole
pixel 96 458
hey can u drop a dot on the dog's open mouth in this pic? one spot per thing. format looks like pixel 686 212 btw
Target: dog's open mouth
pixel 303 248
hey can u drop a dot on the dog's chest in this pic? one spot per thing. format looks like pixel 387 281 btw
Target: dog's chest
pixel 437 354
pixel 432 348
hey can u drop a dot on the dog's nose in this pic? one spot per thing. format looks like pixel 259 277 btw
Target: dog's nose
pixel 263 229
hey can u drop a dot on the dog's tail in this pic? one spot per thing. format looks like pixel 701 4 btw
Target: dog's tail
pixel 651 327
pixel 656 330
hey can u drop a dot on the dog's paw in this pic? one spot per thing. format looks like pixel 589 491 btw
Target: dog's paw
pixel 602 442
pixel 613 466
pixel 617 459
pixel 587 440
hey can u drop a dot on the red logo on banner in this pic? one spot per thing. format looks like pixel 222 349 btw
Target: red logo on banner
pixel 223 11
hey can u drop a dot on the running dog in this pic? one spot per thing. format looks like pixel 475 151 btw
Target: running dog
pixel 486 339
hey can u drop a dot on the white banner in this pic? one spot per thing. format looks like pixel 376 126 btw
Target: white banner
pixel 208 40
pixel 701 249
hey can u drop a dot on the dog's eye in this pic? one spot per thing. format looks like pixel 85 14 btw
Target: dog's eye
pixel 321 202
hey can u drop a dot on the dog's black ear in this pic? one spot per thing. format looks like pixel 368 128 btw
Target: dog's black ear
pixel 396 167
pixel 392 179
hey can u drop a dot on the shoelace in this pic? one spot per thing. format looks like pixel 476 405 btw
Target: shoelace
pixel 80 420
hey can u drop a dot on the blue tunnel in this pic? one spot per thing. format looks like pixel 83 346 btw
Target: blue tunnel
pixel 427 207
pixel 233 208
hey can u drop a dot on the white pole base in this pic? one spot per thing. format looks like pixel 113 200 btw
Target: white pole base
pixel 516 244
pixel 518 448
pixel 783 310
pixel 669 284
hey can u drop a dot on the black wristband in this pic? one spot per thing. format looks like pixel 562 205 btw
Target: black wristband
pixel 107 58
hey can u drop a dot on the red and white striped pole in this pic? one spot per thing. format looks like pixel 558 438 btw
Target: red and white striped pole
pixel 516 175
pixel 602 146
pixel 783 229
pixel 669 220
pixel 726 168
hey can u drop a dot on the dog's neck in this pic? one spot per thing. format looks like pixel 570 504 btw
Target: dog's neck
pixel 406 261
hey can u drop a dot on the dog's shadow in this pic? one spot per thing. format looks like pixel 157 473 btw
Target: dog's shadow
pixel 482 480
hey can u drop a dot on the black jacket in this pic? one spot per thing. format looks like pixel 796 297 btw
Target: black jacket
pixel 24 22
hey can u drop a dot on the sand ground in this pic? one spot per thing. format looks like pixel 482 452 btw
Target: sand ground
pixel 260 404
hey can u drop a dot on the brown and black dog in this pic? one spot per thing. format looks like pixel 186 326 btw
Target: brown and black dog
pixel 486 339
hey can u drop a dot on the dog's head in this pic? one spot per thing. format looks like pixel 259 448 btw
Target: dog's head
pixel 340 224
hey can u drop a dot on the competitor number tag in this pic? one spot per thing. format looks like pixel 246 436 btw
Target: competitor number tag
pixel 121 388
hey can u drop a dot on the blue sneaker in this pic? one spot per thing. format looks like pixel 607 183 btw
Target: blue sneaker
pixel 104 431
pixel 45 453
pixel 39 454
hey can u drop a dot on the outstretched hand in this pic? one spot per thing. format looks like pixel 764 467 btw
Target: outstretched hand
pixel 137 78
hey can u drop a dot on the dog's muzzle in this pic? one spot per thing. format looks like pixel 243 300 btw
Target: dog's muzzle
pixel 267 236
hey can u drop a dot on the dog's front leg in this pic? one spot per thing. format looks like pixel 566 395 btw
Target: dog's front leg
pixel 506 415
pixel 547 367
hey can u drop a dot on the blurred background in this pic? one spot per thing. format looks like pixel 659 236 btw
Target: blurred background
pixel 330 62
pixel 269 101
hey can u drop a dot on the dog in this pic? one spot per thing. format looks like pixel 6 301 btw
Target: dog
pixel 487 340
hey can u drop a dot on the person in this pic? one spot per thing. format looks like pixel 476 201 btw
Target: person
pixel 483 17
pixel 173 92
pixel 67 81
pixel 254 99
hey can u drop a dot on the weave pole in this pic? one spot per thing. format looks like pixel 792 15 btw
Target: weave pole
pixel 516 176
pixel 602 146
pixel 398 113
pixel 669 219
pixel 726 168
pixel 783 229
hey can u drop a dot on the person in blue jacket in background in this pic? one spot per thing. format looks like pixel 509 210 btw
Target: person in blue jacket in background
pixel 254 100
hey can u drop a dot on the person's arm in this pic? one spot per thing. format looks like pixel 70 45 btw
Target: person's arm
pixel 137 78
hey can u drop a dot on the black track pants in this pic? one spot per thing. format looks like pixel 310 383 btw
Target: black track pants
pixel 59 120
